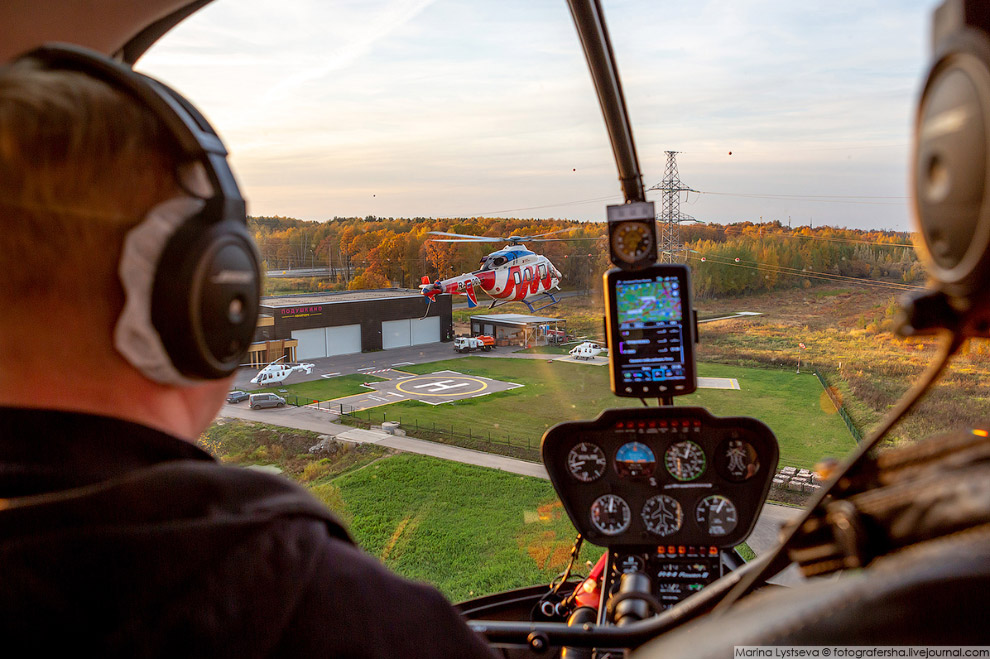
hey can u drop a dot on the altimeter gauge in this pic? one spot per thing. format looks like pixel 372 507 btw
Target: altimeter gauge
pixel 685 460
pixel 586 462
pixel 610 514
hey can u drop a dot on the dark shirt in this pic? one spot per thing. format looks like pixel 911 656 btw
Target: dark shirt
pixel 123 541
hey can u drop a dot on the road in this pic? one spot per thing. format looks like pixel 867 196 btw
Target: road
pixel 322 421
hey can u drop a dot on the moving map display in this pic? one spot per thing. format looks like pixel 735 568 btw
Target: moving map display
pixel 650 333
pixel 649 302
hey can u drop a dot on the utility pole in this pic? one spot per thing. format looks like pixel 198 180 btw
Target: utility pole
pixel 670 217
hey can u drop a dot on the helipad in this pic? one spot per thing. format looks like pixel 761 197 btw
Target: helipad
pixel 434 388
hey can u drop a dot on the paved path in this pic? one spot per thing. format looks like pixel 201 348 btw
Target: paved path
pixel 762 540
pixel 321 421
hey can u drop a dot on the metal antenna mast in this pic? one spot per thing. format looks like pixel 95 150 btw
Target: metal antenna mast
pixel 670 218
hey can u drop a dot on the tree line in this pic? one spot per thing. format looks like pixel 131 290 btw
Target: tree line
pixel 730 259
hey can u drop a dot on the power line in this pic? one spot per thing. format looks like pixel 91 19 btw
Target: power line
pixel 826 238
pixel 794 272
pixel 822 199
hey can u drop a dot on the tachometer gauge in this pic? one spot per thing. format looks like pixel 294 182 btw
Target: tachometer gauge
pixel 662 515
pixel 635 460
pixel 586 462
pixel 685 460
pixel 610 514
pixel 736 460
pixel 717 515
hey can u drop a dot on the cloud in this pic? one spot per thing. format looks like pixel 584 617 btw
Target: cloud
pixel 478 105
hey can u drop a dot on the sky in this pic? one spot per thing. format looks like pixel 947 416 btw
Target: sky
pixel 780 110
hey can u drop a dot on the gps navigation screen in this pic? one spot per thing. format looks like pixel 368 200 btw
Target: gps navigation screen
pixel 651 330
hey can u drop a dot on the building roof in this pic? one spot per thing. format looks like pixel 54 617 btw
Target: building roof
pixel 331 297
pixel 517 319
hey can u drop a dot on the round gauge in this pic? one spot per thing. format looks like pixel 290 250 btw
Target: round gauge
pixel 610 514
pixel 737 460
pixel 633 241
pixel 685 460
pixel 717 515
pixel 662 515
pixel 586 462
pixel 635 460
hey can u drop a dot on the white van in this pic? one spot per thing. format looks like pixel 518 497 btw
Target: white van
pixel 258 401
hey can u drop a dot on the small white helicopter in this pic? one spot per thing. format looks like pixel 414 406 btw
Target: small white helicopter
pixel 275 372
pixel 586 350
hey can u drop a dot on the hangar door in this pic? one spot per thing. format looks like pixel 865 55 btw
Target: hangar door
pixel 410 332
pixel 425 330
pixel 327 341
pixel 343 340
pixel 312 343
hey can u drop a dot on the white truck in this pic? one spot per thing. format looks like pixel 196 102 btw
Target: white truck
pixel 469 343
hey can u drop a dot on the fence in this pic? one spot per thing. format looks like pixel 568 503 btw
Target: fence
pixel 856 433
pixel 526 448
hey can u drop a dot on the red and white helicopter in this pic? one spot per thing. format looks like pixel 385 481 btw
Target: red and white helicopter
pixel 511 274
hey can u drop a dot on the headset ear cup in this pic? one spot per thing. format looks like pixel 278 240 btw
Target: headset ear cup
pixel 950 173
pixel 204 302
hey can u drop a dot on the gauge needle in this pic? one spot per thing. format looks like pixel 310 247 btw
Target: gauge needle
pixel 721 502
pixel 611 505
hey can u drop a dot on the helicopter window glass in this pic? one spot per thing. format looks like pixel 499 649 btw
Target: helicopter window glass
pixel 543 271
pixel 517 277
pixel 527 275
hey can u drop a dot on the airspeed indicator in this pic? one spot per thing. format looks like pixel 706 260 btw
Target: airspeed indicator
pixel 586 462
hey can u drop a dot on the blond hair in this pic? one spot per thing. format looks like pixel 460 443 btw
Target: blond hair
pixel 80 164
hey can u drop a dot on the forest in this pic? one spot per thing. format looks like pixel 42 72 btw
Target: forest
pixel 729 259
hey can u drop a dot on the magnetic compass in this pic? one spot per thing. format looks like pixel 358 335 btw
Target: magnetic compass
pixel 633 242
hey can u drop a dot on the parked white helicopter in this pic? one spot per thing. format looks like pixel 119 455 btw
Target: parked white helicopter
pixel 275 372
pixel 586 350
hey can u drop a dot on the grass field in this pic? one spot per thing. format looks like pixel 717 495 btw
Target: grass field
pixel 553 392
pixel 326 388
pixel 468 530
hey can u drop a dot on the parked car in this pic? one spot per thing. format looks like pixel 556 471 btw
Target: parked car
pixel 260 401
pixel 236 396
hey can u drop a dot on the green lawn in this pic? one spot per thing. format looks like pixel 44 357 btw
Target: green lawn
pixel 467 530
pixel 558 391
pixel 326 388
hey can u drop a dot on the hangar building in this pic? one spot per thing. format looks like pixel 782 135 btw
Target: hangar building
pixel 314 325
pixel 518 329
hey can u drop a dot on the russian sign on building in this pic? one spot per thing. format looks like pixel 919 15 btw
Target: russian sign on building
pixel 301 312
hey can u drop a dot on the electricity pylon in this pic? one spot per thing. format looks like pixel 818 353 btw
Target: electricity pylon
pixel 670 217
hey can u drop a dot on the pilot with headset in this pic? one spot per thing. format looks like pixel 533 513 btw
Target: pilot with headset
pixel 129 297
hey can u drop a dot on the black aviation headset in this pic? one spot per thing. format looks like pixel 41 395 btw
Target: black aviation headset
pixel 205 292
pixel 951 175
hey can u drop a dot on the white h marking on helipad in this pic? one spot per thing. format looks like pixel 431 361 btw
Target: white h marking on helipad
pixel 442 385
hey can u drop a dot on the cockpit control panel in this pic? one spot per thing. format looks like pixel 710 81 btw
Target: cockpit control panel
pixel 671 476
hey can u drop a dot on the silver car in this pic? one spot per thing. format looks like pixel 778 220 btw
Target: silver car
pixel 260 401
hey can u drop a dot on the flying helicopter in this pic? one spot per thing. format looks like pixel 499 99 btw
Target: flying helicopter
pixel 511 274
pixel 275 372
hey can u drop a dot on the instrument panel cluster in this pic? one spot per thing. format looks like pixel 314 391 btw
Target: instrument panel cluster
pixel 662 475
